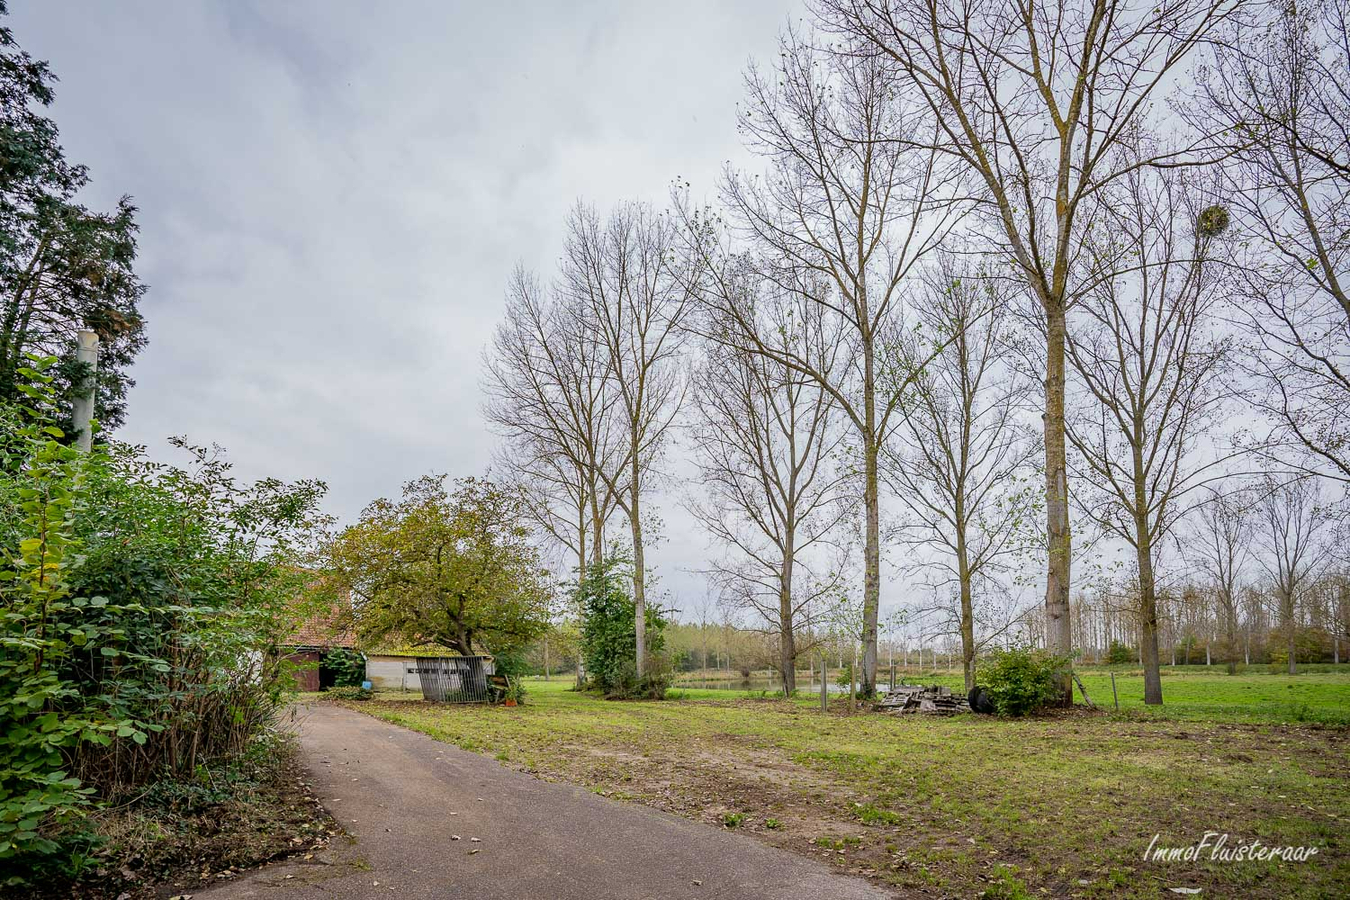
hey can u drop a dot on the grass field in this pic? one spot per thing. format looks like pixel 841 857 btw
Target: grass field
pixel 1063 805
pixel 1198 693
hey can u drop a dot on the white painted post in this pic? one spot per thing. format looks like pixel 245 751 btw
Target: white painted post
pixel 83 405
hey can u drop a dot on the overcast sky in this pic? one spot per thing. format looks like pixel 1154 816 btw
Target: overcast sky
pixel 332 195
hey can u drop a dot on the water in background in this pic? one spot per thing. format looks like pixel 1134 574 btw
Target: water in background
pixel 807 682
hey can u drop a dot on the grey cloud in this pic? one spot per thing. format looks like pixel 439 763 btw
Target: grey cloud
pixel 333 195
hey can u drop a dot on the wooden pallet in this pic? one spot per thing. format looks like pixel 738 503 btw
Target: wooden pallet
pixel 913 698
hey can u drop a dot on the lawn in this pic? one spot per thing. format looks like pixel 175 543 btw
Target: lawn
pixel 1205 693
pixel 1064 805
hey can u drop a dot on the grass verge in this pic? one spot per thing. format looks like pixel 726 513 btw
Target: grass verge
pixel 1065 805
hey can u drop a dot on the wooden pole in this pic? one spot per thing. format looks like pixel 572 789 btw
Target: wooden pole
pixel 824 686
pixel 1083 690
pixel 1114 695
pixel 852 680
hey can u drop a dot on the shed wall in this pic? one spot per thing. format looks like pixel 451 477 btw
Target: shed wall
pixel 389 673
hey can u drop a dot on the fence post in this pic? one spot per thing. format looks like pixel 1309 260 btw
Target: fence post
pixel 852 678
pixel 1114 695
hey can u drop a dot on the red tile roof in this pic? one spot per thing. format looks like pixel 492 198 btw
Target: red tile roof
pixel 325 629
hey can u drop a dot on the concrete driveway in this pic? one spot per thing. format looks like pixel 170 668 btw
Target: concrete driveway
pixel 404 797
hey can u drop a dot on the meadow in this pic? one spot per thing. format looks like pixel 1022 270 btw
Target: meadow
pixel 1064 804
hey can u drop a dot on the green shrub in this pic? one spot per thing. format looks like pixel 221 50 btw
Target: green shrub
pixel 515 690
pixel 1120 654
pixel 510 664
pixel 349 692
pixel 348 667
pixel 139 604
pixel 1021 681
pixel 1310 646
pixel 609 636
pixel 624 684
pixel 845 677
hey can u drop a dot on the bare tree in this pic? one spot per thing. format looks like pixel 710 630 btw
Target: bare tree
pixel 1220 548
pixel 959 449
pixel 1291 522
pixel 626 295
pixel 844 213
pixel 548 393
pixel 1150 369
pixel 1031 101
pixel 766 438
pixel 1280 88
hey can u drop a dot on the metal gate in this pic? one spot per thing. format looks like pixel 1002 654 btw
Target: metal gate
pixel 454 679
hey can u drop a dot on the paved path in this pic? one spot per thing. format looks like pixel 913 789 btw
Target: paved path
pixel 401 795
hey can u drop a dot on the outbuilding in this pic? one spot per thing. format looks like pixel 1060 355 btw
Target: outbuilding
pixel 309 646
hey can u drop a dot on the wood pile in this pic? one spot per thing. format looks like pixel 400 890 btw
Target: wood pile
pixel 913 698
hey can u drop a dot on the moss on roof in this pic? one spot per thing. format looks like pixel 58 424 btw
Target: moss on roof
pixel 409 650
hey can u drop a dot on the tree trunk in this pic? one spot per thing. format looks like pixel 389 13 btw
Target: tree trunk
pixel 853 680
pixel 582 558
pixel 582 561
pixel 639 578
pixel 1148 615
pixel 597 525
pixel 1232 637
pixel 967 610
pixel 872 559
pixel 1058 635
pixel 1287 611
pixel 787 648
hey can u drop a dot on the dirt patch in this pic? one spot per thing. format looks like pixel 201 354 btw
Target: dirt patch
pixel 1064 804
pixel 782 803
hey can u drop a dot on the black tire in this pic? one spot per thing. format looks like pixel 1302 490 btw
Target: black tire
pixel 979 701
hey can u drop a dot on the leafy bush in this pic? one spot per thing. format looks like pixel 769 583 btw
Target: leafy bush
pixel 845 677
pixel 348 692
pixel 510 664
pixel 1120 654
pixel 1310 645
pixel 1021 680
pixel 138 606
pixel 609 635
pixel 624 684
pixel 515 690
pixel 348 667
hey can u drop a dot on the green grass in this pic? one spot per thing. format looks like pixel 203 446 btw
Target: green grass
pixel 1320 693
pixel 1206 693
pixel 1064 804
